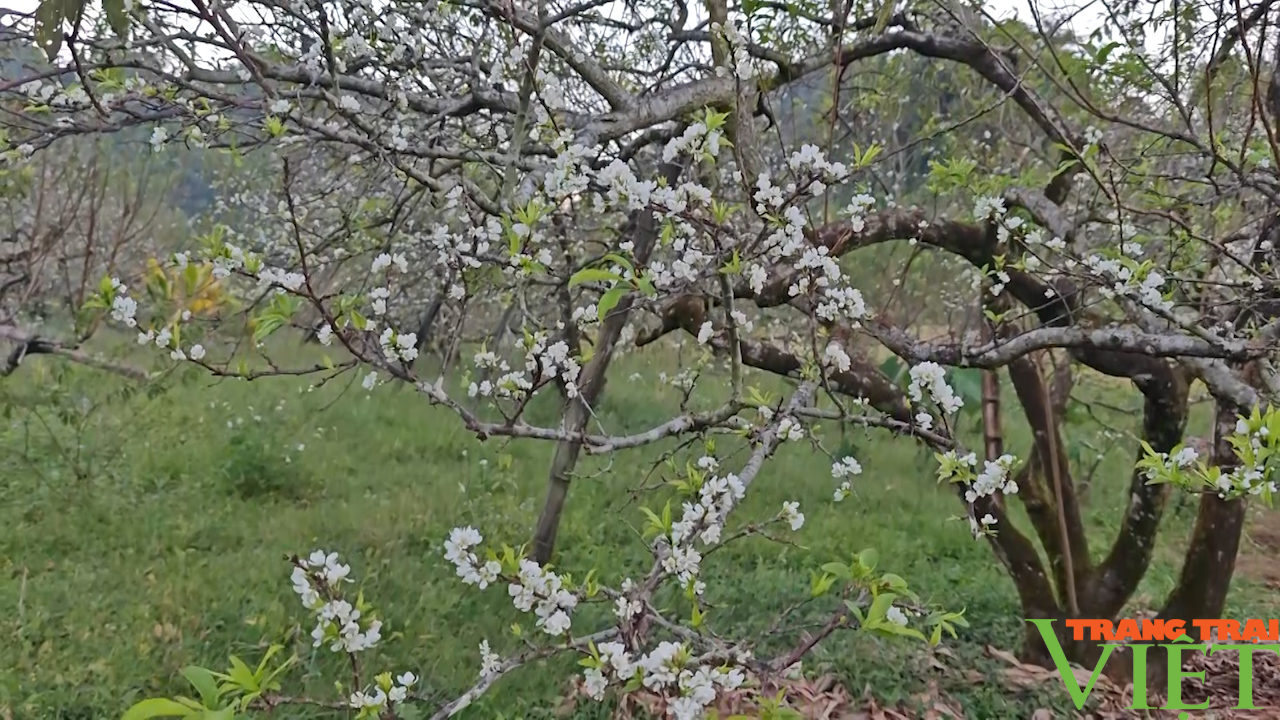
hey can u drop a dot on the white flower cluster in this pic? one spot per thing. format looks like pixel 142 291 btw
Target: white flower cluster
pixel 989 208
pixel 790 429
pixel 379 297
pixel 981 527
pixel 738 46
pixel 835 358
pixel 554 361
pixel 818 271
pixel 401 346
pixel 626 607
pixel 566 177
pixel 511 385
pixel 164 340
pixel 316 580
pixel 1124 282
pixel 668 669
pixel 1186 456
pixel 542 360
pixel 289 280
pixel 791 515
pixel 694 141
pixel 703 520
pixel 622 188
pixel 339 624
pixel 124 309
pixel 846 467
pixel 371 703
pixel 1007 225
pixel 490 662
pixel 457 550
pixel 228 259
pixel 824 273
pixel 664 669
pixel 1247 478
pixel 931 377
pixel 810 159
pixel 993 478
pixel 542 591
pixel 857 211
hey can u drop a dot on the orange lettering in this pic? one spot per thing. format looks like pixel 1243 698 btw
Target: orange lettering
pixel 1173 629
pixel 1077 627
pixel 1254 631
pixel 1152 629
pixel 1127 630
pixel 1206 628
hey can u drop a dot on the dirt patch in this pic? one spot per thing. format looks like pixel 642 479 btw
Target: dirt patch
pixel 1259 558
pixel 1221 688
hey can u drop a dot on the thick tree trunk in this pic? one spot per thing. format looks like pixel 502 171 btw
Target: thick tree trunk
pixel 1048 473
pixel 1164 421
pixel 1210 561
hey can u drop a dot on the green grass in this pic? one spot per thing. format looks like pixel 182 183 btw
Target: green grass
pixel 141 533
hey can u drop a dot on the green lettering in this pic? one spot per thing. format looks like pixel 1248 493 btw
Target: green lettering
pixel 1078 696
pixel 1176 673
pixel 1246 670
pixel 1140 676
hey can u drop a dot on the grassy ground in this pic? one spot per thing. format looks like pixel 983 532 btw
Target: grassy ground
pixel 140 533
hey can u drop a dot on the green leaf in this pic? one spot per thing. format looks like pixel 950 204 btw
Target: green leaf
pixel 621 260
pixel 894 582
pixel 242 675
pixel 820 584
pixel 880 608
pixel 204 683
pixel 587 275
pixel 610 300
pixel 646 286
pixel 157 708
pixel 49 19
pixel 853 608
pixel 839 570
pixel 1104 52
pixel 868 558
pixel 266 325
pixel 117 18
pixel 893 628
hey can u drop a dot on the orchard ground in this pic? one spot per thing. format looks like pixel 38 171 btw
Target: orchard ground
pixel 144 531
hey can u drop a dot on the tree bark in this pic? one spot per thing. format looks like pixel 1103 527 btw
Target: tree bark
pixel 1164 421
pixel 644 233
pixel 1210 561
